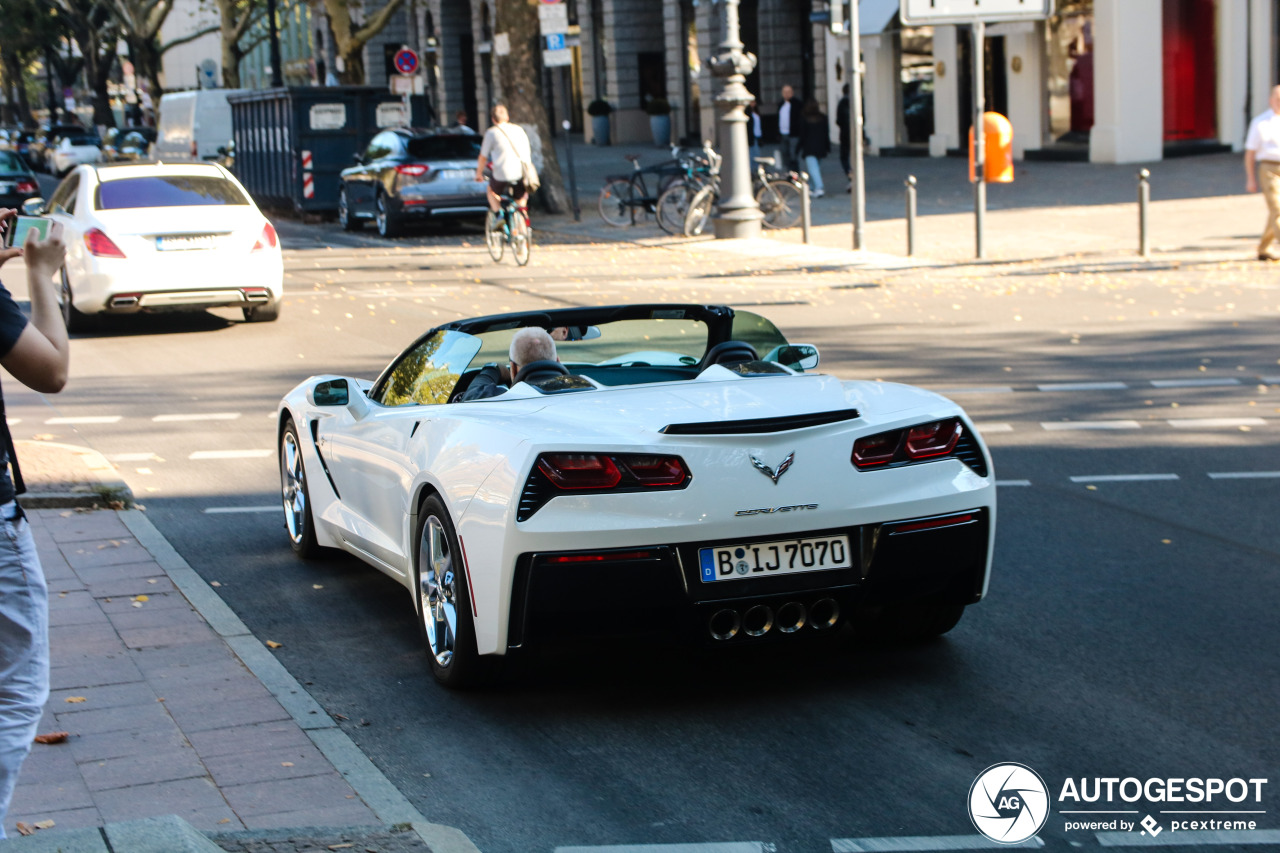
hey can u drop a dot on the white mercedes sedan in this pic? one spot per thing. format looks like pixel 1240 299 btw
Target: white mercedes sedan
pixel 157 237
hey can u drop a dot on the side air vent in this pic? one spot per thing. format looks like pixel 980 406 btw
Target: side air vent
pixel 761 425
pixel 967 452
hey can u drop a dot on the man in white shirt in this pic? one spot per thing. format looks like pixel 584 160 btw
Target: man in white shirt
pixel 505 150
pixel 1262 169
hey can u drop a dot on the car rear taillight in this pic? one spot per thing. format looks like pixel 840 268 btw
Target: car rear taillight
pixel 656 470
pixel 27 187
pixel 572 471
pixel 914 444
pixel 267 238
pixel 100 245
pixel 414 169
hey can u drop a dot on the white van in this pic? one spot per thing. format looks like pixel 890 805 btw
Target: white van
pixel 193 125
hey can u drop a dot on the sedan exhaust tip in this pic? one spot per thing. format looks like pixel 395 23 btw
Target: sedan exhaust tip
pixel 757 621
pixel 824 614
pixel 792 617
pixel 724 624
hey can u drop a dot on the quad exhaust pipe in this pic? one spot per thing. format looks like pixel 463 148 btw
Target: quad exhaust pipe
pixel 759 619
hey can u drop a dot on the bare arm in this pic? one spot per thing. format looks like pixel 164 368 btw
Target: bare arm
pixel 42 353
pixel 1250 172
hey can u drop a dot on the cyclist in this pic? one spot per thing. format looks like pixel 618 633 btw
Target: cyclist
pixel 505 149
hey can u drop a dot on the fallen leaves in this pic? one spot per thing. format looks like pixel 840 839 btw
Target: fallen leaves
pixel 53 737
pixel 272 644
pixel 76 700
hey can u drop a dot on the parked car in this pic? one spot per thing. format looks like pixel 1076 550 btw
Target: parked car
pixel 680 473
pixel 193 125
pixel 408 174
pixel 160 237
pixel 74 149
pixel 127 143
pixel 21 141
pixel 17 181
pixel 40 149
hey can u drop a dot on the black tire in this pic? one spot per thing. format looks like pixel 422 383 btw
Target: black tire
pixel 440 590
pixel 388 222
pixel 614 203
pixel 521 237
pixel 494 238
pixel 266 313
pixel 346 219
pixel 673 204
pixel 299 522
pixel 699 212
pixel 75 321
pixel 780 202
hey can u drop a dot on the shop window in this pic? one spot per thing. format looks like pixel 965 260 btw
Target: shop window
pixel 916 72
pixel 1190 70
pixel 1069 73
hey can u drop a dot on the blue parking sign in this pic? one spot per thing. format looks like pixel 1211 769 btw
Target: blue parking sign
pixel 555 41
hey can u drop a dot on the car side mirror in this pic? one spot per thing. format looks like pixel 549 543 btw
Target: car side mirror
pixel 33 207
pixel 333 392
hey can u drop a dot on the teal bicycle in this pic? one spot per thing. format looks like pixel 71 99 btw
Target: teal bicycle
pixel 509 227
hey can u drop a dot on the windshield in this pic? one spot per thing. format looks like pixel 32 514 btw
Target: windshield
pixel 10 162
pixel 451 147
pixel 168 191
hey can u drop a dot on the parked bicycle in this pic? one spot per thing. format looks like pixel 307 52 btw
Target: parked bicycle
pixel 779 194
pixel 625 199
pixel 509 227
pixel 673 204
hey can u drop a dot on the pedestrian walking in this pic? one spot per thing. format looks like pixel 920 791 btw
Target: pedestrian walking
pixel 789 125
pixel 754 130
pixel 815 143
pixel 846 138
pixel 35 353
pixel 1262 169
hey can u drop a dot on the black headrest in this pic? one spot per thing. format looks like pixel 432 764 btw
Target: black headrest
pixel 728 353
pixel 536 370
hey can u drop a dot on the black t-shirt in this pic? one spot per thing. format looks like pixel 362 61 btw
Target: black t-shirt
pixel 12 322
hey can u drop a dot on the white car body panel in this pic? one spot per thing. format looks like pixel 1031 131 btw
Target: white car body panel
pixel 477 456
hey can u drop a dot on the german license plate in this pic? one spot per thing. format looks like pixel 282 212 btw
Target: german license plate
pixel 186 241
pixel 775 557
pixel 457 174
pixel 5 189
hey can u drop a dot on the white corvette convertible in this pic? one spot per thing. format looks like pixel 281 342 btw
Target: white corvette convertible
pixel 681 471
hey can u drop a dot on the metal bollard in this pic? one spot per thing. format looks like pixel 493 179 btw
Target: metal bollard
pixel 804 205
pixel 911 214
pixel 1144 202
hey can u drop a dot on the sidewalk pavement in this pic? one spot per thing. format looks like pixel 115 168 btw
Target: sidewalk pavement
pixel 182 730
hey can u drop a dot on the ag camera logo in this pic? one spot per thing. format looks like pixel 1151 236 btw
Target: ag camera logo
pixel 1008 803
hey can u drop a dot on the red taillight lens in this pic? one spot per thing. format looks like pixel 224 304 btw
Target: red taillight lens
pixel 580 470
pixel 412 169
pixel 657 470
pixel 268 238
pixel 605 557
pixel 932 523
pixel 876 449
pixel 936 439
pixel 27 187
pixel 100 245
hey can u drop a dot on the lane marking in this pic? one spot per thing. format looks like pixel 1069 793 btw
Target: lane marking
pixel 1013 483
pixel 211 416
pixel 1269 380
pixel 989 389
pixel 1084 386
pixel 1210 423
pixel 131 457
pixel 1193 383
pixel 217 510
pixel 994 427
pixel 1073 425
pixel 1123 478
pixel 925 842
pixel 12 421
pixel 1244 475
pixel 1190 838
pixel 86 419
pixel 231 454
pixel 713 847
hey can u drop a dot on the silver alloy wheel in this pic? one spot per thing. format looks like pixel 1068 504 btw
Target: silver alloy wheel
pixel 437 592
pixel 293 488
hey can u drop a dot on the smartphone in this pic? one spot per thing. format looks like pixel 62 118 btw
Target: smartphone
pixel 23 226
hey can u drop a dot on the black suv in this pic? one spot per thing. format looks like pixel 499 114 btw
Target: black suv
pixel 411 174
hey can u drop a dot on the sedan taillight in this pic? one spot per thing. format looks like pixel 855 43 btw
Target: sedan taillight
pixel 415 169
pixel 266 239
pixel 100 245
pixel 27 187
pixel 914 444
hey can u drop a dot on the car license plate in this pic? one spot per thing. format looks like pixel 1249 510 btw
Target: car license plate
pixel 5 189
pixel 776 557
pixel 457 174
pixel 186 241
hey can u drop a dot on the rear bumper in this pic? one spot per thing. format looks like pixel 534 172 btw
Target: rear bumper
pixel 113 286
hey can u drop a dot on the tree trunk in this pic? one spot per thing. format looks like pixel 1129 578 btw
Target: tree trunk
pixel 13 69
pixel 352 73
pixel 520 73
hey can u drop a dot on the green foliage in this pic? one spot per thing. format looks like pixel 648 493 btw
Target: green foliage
pixel 599 107
pixel 657 106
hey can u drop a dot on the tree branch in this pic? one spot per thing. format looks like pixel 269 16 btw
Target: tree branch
pixel 189 37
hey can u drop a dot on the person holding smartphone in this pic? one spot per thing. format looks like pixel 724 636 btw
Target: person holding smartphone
pixel 36 353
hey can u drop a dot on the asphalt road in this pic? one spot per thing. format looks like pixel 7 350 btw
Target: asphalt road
pixel 1130 629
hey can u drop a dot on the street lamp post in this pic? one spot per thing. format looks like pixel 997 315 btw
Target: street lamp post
pixel 273 35
pixel 739 213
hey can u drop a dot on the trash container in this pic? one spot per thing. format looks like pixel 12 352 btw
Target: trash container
pixel 292 142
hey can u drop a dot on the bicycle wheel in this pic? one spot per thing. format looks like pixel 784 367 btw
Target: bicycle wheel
pixel 521 237
pixel 780 203
pixel 673 204
pixel 494 239
pixel 615 202
pixel 699 212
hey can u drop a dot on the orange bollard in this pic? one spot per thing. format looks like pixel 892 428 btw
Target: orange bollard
pixel 999 149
